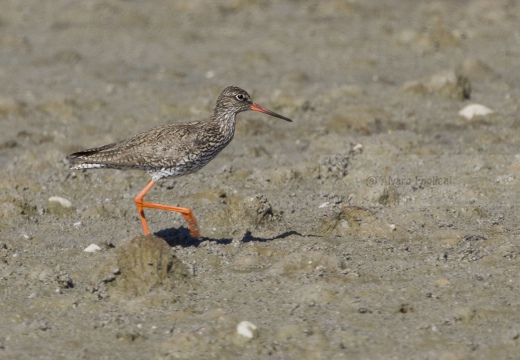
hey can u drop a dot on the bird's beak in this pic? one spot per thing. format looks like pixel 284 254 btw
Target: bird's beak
pixel 256 107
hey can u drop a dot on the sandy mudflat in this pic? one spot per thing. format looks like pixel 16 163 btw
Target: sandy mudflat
pixel 380 224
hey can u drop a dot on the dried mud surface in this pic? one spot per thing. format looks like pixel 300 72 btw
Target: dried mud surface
pixel 380 224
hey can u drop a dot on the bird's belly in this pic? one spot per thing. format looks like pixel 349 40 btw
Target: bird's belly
pixel 185 166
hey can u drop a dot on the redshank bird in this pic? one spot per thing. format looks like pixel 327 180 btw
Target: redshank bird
pixel 173 150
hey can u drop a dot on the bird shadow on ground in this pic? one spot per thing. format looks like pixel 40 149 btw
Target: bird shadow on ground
pixel 248 237
pixel 181 237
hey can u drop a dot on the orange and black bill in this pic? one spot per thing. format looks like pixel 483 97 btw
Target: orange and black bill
pixel 256 107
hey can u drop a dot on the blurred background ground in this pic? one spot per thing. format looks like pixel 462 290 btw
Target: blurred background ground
pixel 380 224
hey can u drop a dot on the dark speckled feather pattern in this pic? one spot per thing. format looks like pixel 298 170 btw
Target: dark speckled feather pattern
pixel 172 149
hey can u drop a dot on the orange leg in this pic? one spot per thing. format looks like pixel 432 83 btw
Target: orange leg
pixel 186 213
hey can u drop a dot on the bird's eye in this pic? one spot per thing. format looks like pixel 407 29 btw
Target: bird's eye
pixel 240 97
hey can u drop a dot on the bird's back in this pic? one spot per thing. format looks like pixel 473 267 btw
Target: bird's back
pixel 168 150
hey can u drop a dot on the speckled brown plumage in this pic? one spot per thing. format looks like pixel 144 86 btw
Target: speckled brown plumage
pixel 174 149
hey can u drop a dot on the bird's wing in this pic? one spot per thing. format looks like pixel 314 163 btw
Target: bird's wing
pixel 158 147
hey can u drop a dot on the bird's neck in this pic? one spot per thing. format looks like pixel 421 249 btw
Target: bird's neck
pixel 225 122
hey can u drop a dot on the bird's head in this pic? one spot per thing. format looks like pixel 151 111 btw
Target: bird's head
pixel 234 100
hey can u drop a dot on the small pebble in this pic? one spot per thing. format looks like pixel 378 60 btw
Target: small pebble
pixel 59 206
pixel 246 329
pixel 92 248
pixel 62 201
pixel 358 147
pixel 448 84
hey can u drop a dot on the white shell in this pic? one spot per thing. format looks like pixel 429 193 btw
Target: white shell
pixel 246 329
pixel 472 110
pixel 92 248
